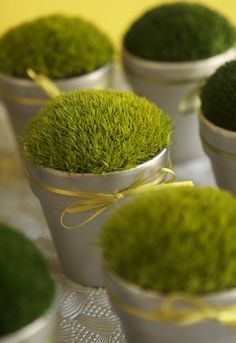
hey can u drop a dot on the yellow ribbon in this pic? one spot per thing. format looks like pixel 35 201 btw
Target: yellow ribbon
pixel 191 102
pixel 43 82
pixel 193 311
pixel 46 85
pixel 23 100
pixel 217 151
pixel 99 202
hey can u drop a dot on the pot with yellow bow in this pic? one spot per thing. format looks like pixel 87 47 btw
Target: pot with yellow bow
pixel 170 267
pixel 69 50
pixel 168 53
pixel 85 153
pixel 218 124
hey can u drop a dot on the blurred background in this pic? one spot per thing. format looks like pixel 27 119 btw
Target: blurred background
pixel 113 16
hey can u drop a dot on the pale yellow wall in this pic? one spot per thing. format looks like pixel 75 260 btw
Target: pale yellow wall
pixel 113 16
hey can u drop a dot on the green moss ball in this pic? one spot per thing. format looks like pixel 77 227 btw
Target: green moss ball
pixel 96 131
pixel 174 240
pixel 218 97
pixel 58 46
pixel 179 32
pixel 26 287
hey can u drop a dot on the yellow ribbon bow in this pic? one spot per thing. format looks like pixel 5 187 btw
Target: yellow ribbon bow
pixel 193 310
pixel 99 202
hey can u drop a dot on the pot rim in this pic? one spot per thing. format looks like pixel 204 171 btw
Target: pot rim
pixel 65 174
pixel 180 66
pixel 215 128
pixel 36 325
pixel 151 294
pixel 28 83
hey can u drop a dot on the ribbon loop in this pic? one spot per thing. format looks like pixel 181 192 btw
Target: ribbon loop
pixel 99 202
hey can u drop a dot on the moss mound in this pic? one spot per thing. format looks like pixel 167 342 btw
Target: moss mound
pixel 57 46
pixel 179 32
pixel 218 97
pixel 26 287
pixel 96 131
pixel 175 239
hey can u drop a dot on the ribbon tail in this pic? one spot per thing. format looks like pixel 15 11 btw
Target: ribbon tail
pixel 178 184
pixel 44 83
pixel 191 102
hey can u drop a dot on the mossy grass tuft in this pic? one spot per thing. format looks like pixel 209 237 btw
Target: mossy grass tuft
pixel 96 131
pixel 58 46
pixel 179 32
pixel 26 287
pixel 174 240
pixel 218 97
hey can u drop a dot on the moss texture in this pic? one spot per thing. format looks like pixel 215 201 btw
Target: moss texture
pixel 179 32
pixel 58 46
pixel 96 131
pixel 218 97
pixel 175 239
pixel 26 287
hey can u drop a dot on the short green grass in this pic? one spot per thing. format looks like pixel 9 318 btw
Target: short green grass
pixel 96 131
pixel 218 97
pixel 174 240
pixel 179 32
pixel 58 46
pixel 26 287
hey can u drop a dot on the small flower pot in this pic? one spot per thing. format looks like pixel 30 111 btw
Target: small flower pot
pixel 169 85
pixel 29 299
pixel 77 248
pixel 131 302
pixel 220 146
pixel 41 330
pixel 23 98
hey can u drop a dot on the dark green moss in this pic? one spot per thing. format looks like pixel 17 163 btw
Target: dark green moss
pixel 218 97
pixel 96 131
pixel 179 32
pixel 175 239
pixel 26 287
pixel 57 46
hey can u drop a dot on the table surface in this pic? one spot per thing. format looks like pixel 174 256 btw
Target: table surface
pixel 85 313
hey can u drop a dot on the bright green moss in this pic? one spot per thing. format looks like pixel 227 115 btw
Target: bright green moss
pixel 179 32
pixel 58 46
pixel 96 131
pixel 175 239
pixel 26 287
pixel 218 97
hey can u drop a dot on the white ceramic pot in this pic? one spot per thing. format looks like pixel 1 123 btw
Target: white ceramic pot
pixel 77 250
pixel 167 84
pixel 126 298
pixel 41 330
pixel 23 98
pixel 220 146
